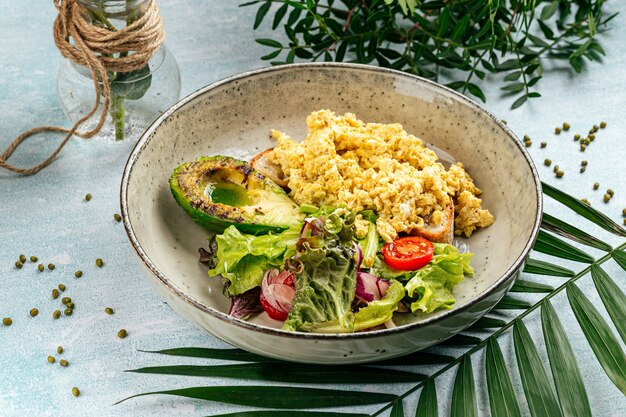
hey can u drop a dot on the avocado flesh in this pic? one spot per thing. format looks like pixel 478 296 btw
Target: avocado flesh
pixel 219 191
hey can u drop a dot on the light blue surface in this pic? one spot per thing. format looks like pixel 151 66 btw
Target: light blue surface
pixel 45 215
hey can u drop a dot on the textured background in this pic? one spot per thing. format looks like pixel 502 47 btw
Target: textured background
pixel 45 215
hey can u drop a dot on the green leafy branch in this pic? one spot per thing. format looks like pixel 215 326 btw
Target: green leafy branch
pixel 567 395
pixel 457 41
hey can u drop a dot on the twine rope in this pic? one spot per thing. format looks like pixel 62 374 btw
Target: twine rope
pixel 91 45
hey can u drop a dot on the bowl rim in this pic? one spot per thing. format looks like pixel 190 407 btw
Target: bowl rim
pixel 145 138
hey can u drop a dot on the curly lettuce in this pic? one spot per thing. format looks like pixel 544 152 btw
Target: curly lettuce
pixel 431 287
pixel 243 259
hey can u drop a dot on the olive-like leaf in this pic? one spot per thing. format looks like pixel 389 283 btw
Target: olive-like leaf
pixel 289 372
pixel 522 285
pixel 600 337
pixel 535 266
pixel 517 103
pixel 567 378
pixel 276 396
pixel 502 399
pixel 559 227
pixel 260 14
pixel 584 210
pixel 540 396
pixel 612 297
pixel 464 392
pixel 427 406
pixel 552 245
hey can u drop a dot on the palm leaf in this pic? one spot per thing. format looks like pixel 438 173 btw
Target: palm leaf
pixel 208 353
pixel 428 405
pixel 502 398
pixel 398 409
pixel 534 266
pixel 600 337
pixel 552 245
pixel 569 383
pixel 289 372
pixel 619 257
pixel 464 393
pixel 559 227
pixel 510 303
pixel 570 398
pixel 286 413
pixel 277 397
pixel 487 323
pixel 541 399
pixel 612 297
pixel 522 285
pixel 584 210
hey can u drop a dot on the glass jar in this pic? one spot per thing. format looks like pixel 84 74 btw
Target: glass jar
pixel 137 97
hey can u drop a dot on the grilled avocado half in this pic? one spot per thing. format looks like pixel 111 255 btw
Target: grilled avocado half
pixel 220 191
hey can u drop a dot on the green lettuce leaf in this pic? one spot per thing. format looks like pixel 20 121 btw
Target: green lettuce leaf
pixel 431 287
pixel 326 286
pixel 243 259
pixel 373 314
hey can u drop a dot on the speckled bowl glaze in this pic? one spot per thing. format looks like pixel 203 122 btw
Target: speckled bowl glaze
pixel 234 117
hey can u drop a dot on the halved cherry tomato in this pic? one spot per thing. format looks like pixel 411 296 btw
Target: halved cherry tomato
pixel 271 311
pixel 408 253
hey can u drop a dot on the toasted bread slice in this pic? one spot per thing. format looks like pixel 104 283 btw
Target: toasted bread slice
pixel 441 233
pixel 274 172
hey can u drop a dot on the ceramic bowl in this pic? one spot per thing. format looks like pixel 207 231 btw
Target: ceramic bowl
pixel 234 117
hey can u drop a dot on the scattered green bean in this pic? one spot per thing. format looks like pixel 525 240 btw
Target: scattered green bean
pixel 63 362
pixel 607 197
pixel 88 197
pixel 584 200
pixel 547 162
pixel 75 392
pixel 62 287
pixel 610 192
pixel 543 144
pixel 596 185
pixel 560 173
pixel 99 263
pixel 117 217
pixel 7 321
pixel 68 311
pixel 78 274
pixel 51 267
pixel 557 130
pixel 602 125
pixel 60 349
pixel 584 162
pixel 109 310
pixel 33 312
pixel 51 359
pixel 577 136
pixel 40 267
pixel 34 259
pixel 66 300
pixel 55 293
pixel 122 334
pixel 566 126
pixel 18 264
pixel 56 314
pixel 23 259
pixel 624 212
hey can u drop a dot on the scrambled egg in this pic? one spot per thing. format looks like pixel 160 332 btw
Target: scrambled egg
pixel 345 162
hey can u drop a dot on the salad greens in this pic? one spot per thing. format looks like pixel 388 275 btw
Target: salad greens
pixel 326 286
pixel 242 259
pixel 323 262
pixel 431 286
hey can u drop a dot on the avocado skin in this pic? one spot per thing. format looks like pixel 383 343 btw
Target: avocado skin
pixel 217 217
